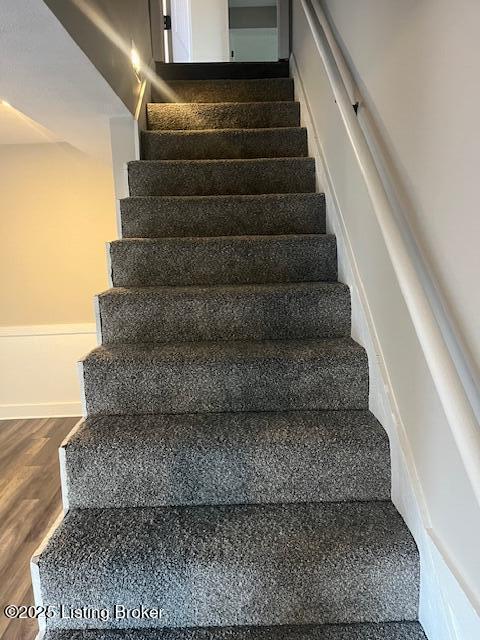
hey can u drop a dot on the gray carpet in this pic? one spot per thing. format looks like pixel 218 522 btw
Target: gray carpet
pixel 228 471
pixel 379 631
pixel 225 312
pixel 226 376
pixel 218 565
pixel 227 458
pixel 147 262
pixel 224 143
pixel 236 115
pixel 226 90
pixel 238 215
pixel 226 177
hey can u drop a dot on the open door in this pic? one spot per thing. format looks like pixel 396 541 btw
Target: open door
pixel 167 33
pixel 283 27
pixel 199 30
pixel 181 30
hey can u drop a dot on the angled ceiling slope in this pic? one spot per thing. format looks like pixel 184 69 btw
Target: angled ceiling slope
pixel 47 77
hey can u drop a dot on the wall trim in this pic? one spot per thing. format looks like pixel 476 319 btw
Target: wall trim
pixel 22 331
pixel 37 369
pixel 436 614
pixel 40 410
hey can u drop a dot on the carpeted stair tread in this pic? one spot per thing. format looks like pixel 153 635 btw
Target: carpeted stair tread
pixel 221 177
pixel 222 70
pixel 224 260
pixel 227 458
pixel 238 215
pixel 226 90
pixel 200 377
pixel 222 115
pixel 225 312
pixel 314 563
pixel 224 143
pixel 364 631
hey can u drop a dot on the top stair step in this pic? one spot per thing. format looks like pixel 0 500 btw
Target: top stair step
pixel 222 70
pixel 269 90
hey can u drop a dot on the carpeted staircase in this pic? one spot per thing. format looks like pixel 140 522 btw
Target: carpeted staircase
pixel 228 470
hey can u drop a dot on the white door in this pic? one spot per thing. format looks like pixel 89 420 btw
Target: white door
pixel 157 30
pixel 181 30
pixel 199 30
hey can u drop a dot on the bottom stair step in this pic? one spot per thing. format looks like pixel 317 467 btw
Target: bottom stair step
pixel 237 565
pixel 387 631
pixel 222 458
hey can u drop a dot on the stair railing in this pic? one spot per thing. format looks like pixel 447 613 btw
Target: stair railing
pixel 443 354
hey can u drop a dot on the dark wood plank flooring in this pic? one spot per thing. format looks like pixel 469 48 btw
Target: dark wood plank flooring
pixel 30 501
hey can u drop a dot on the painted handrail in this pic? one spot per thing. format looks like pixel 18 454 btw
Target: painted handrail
pixel 453 396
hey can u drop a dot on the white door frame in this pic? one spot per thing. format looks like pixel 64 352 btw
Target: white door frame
pixel 283 29
pixel 156 30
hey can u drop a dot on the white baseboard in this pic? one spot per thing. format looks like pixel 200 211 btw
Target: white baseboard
pixel 38 376
pixel 445 610
pixel 40 410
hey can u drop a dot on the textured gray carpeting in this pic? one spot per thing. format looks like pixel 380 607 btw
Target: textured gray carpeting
pixel 365 631
pixel 223 260
pixel 226 376
pixel 214 177
pixel 236 565
pixel 252 90
pixel 218 115
pixel 228 471
pixel 227 458
pixel 225 312
pixel 224 143
pixel 238 215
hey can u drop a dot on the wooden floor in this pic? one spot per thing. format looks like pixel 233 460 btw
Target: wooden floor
pixel 29 503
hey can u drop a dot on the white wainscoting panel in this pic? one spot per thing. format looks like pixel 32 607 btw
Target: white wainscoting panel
pixel 38 374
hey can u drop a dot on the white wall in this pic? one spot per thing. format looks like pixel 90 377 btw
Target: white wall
pixel 38 376
pixel 58 200
pixel 252 45
pixel 209 31
pixel 416 64
pixel 106 30
pixel 430 487
pixel 57 211
pixel 38 60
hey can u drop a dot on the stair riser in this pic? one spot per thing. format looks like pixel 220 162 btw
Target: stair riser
pixel 321 312
pixel 202 572
pixel 210 261
pixel 267 90
pixel 223 116
pixel 222 70
pixel 222 216
pixel 269 384
pixel 210 459
pixel 258 143
pixel 210 177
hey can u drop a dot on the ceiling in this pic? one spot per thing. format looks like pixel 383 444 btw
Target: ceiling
pixel 47 77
